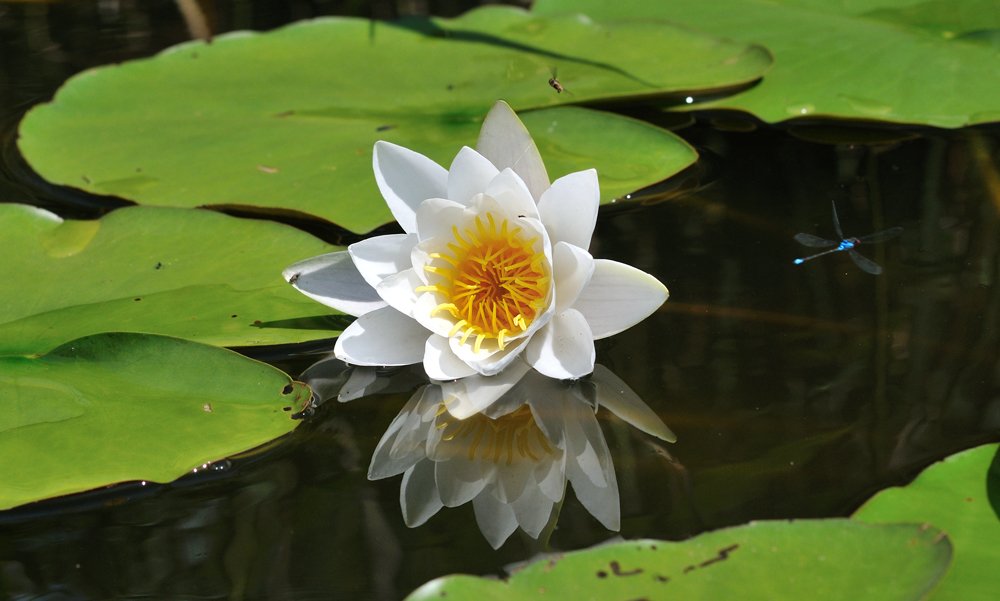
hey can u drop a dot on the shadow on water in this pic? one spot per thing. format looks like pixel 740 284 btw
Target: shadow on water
pixel 794 390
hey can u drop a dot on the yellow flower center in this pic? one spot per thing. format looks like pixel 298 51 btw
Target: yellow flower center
pixel 506 437
pixel 495 283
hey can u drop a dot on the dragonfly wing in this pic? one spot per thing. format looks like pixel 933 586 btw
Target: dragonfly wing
pixel 865 264
pixel 836 221
pixel 810 240
pixel 881 236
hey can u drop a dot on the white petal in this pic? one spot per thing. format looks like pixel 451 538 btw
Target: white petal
pixel 399 290
pixel 383 465
pixel 436 217
pixel 569 208
pixel 496 520
pixel 382 256
pixel 512 479
pixel 572 267
pixel 509 192
pixel 564 348
pixel 488 362
pixel 475 393
pixel 550 474
pixel 382 337
pixel 532 510
pixel 418 495
pixel 406 179
pixel 618 398
pixel 469 175
pixel 357 385
pixel 507 144
pixel 586 447
pixel 333 280
pixel 547 400
pixel 327 377
pixel 618 297
pixel 602 503
pixel 442 364
pixel 439 324
pixel 458 480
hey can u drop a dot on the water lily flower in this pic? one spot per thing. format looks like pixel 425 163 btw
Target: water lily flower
pixel 512 460
pixel 493 265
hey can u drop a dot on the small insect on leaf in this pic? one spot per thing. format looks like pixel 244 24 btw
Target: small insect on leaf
pixel 558 87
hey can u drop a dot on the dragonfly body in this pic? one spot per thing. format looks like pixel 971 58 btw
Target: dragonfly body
pixel 847 244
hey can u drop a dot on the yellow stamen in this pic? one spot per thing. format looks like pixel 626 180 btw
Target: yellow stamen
pixel 495 283
pixel 458 326
pixel 450 307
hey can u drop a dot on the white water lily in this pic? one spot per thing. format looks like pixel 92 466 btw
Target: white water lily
pixel 512 461
pixel 493 265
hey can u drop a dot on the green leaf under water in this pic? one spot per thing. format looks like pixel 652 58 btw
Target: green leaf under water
pixel 117 407
pixel 199 275
pixel 808 559
pixel 959 495
pixel 885 60
pixel 287 119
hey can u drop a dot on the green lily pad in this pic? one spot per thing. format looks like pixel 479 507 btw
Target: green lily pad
pixel 868 59
pixel 287 119
pixel 117 407
pixel 954 495
pixel 199 275
pixel 809 559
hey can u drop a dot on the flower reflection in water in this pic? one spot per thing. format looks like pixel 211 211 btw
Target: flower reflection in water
pixel 512 459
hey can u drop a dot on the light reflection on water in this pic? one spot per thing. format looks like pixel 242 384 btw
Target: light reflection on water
pixel 794 391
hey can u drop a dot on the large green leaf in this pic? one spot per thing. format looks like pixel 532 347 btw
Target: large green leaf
pixel 868 59
pixel 953 495
pixel 195 274
pixel 287 119
pixel 116 407
pixel 810 559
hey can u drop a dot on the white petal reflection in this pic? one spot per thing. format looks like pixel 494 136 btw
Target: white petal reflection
pixel 513 458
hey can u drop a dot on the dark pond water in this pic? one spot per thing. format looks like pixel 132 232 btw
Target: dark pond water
pixel 794 391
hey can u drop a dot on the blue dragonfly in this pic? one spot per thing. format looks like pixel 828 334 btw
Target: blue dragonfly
pixel 847 244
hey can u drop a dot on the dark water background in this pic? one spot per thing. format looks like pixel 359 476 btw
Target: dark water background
pixel 794 391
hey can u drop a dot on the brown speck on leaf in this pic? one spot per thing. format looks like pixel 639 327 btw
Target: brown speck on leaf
pixel 138 169
pixel 85 178
pixel 617 570
pixel 257 322
pixel 968 499
pixel 207 407
pixel 659 578
pixel 688 569
pixel 266 169
pixel 286 408
pixel 385 127
pixel 285 114
pixel 138 299
pixel 723 555
pixel 232 316
pixel 158 265
pixel 602 574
